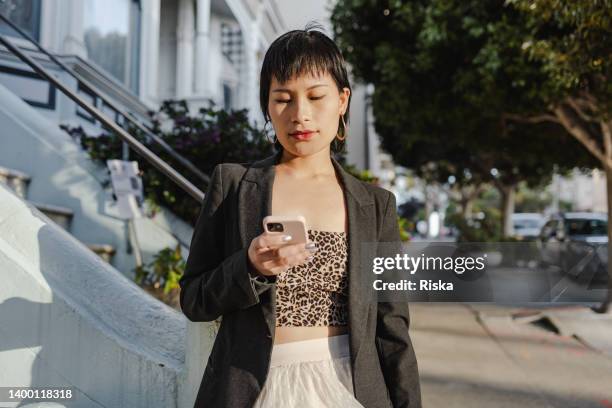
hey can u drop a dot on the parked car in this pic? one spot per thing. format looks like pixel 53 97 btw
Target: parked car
pixel 576 242
pixel 527 226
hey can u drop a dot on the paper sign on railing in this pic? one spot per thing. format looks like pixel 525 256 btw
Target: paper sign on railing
pixel 127 186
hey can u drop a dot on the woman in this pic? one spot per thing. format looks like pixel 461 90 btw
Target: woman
pixel 297 328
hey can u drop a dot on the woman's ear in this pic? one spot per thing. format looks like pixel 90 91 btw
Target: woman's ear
pixel 344 98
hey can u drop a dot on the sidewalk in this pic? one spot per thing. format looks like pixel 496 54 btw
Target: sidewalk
pixel 479 355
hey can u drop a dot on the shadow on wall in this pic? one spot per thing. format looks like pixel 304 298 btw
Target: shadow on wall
pixel 35 326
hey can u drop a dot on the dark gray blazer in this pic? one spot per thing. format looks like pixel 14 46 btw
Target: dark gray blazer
pixel 217 283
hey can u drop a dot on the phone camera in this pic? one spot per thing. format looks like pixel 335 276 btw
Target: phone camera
pixel 275 227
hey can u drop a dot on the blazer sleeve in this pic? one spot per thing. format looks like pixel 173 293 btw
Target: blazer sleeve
pixel 396 354
pixel 211 285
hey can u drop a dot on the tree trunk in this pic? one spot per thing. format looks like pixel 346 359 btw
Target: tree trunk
pixel 428 208
pixel 466 208
pixel 507 209
pixel 468 194
pixel 605 306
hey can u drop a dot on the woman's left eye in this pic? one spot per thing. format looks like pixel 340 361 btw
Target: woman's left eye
pixel 316 98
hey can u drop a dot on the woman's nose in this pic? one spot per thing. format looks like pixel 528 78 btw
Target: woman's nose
pixel 301 111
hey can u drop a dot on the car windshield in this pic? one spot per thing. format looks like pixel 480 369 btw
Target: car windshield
pixel 522 224
pixel 587 227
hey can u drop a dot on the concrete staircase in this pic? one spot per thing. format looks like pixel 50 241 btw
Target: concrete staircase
pixel 67 318
pixel 19 181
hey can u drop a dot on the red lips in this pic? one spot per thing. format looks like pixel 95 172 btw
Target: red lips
pixel 303 135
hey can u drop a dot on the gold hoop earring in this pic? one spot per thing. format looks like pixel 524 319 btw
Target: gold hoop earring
pixel 343 129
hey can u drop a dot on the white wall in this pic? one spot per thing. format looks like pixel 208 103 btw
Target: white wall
pixel 69 319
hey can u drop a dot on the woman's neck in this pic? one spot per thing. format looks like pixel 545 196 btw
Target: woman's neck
pixel 306 167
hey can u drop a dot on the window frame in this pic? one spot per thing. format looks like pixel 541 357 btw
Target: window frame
pixel 36 28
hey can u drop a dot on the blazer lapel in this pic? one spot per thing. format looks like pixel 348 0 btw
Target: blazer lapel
pixel 255 202
pixel 361 229
pixel 255 198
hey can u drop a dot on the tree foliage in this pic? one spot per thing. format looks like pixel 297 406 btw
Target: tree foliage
pixel 444 76
pixel 448 75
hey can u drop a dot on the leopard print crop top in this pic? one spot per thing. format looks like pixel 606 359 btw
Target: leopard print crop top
pixel 315 293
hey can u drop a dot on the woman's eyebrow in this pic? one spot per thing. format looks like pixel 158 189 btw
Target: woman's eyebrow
pixel 287 90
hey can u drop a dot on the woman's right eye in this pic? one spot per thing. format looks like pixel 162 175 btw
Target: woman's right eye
pixel 283 100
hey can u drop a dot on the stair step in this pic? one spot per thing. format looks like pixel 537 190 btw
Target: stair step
pixel 15 180
pixel 105 251
pixel 60 215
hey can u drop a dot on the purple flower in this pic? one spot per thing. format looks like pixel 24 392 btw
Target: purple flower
pixel 180 121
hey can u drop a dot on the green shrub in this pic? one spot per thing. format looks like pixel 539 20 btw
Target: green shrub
pixel 164 271
pixel 210 137
pixel 160 277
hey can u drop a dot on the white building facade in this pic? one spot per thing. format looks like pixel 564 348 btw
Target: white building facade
pixel 145 51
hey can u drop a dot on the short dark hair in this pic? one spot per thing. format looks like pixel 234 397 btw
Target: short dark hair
pixel 300 52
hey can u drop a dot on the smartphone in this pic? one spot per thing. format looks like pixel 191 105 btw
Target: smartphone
pixel 294 225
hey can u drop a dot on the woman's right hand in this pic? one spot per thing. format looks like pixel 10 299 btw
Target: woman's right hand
pixel 270 255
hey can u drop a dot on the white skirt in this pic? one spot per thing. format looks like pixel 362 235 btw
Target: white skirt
pixel 310 374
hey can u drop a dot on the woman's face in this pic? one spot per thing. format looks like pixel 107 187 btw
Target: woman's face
pixel 305 111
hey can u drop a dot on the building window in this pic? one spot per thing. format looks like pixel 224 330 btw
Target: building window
pixel 227 97
pixel 231 43
pixel 112 38
pixel 24 13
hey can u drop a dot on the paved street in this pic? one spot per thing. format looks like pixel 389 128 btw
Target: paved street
pixel 483 355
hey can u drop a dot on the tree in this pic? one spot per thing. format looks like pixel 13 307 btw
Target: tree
pixel 434 99
pixel 570 42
